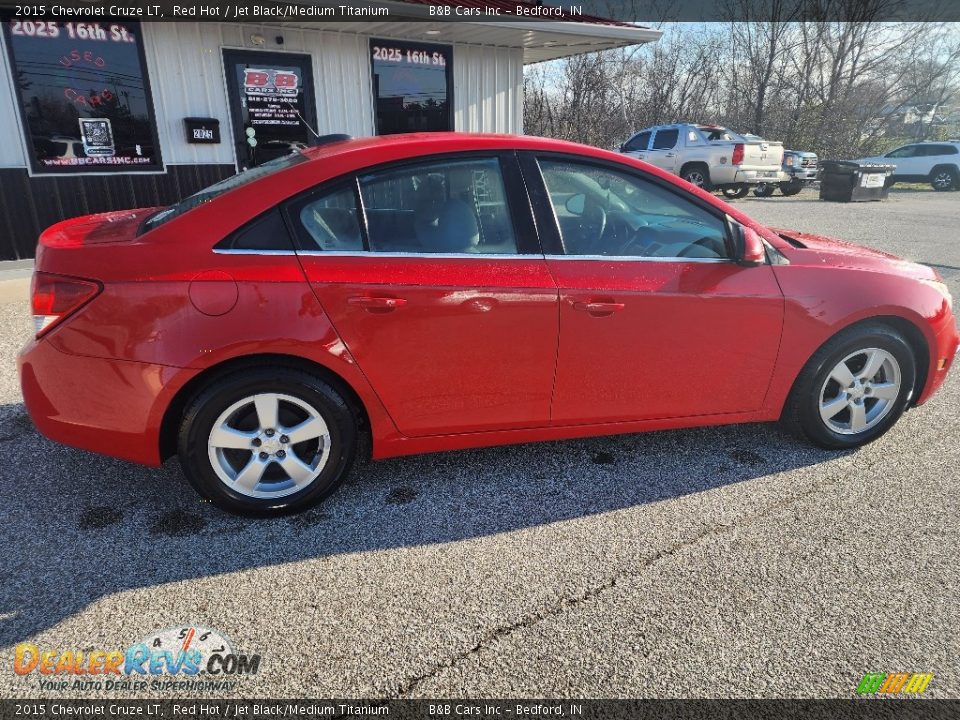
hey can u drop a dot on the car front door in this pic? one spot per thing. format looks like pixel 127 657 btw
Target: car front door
pixel 663 149
pixel 438 289
pixel 907 160
pixel 655 320
pixel 637 145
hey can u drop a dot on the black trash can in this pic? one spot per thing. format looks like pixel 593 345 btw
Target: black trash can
pixel 847 181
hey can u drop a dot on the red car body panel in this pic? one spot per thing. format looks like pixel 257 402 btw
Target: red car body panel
pixel 483 351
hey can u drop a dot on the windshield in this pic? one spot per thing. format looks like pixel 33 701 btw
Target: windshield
pixel 208 194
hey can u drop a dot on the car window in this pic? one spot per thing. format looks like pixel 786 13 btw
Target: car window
pixel 446 206
pixel 905 152
pixel 638 142
pixel 265 232
pixel 327 220
pixel 933 150
pixel 665 139
pixel 714 133
pixel 692 137
pixel 604 211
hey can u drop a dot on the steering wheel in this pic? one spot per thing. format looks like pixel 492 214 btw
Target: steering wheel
pixel 706 242
pixel 593 223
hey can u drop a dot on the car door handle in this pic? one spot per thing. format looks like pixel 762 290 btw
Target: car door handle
pixel 669 155
pixel 382 304
pixel 598 308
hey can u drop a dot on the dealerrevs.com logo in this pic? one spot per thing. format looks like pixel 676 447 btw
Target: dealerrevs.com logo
pixel 189 657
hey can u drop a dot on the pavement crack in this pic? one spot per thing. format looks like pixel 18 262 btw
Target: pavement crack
pixel 571 602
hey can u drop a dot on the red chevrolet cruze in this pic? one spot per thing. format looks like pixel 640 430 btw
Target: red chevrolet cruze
pixel 442 291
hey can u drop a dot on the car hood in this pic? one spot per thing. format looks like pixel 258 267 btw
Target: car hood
pixel 111 227
pixel 819 250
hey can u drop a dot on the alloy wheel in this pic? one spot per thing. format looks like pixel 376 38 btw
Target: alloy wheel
pixel 860 391
pixel 269 445
pixel 695 177
pixel 943 180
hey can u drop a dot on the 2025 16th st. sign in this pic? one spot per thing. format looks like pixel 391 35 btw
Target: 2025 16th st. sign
pixel 84 96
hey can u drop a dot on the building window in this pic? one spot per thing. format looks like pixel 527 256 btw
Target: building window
pixel 84 96
pixel 412 86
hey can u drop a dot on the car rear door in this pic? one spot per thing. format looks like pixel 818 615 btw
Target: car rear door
pixel 655 321
pixel 432 274
pixel 663 150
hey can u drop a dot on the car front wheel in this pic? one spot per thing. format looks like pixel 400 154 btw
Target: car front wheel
pixel 853 389
pixel 265 442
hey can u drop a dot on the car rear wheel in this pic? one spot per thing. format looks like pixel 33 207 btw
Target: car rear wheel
pixel 266 442
pixel 853 389
pixel 944 179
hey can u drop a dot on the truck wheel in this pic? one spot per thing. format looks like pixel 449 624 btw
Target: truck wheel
pixel 763 190
pixel 790 189
pixel 735 192
pixel 696 175
pixel 944 179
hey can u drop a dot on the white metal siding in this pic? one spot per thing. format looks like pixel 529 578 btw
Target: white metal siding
pixel 488 89
pixel 185 66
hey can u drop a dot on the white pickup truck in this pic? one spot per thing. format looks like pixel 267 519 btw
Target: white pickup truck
pixel 708 156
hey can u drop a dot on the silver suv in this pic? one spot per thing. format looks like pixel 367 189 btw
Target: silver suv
pixel 937 163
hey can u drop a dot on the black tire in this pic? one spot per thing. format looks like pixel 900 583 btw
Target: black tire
pixel 790 189
pixel 207 407
pixel 763 190
pixel 696 174
pixel 801 414
pixel 735 192
pixel 944 179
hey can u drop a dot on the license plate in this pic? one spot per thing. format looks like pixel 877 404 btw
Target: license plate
pixel 872 180
pixel 768 174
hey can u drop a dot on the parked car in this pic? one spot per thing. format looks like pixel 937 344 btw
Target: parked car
pixel 708 156
pixel 417 293
pixel 937 163
pixel 799 170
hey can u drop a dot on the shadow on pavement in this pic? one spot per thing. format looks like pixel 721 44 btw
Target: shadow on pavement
pixel 78 527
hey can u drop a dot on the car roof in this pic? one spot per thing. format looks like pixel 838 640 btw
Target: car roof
pixel 436 142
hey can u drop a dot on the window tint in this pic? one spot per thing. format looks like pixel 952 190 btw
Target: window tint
pixel 602 211
pixel 932 150
pixel 448 206
pixel 637 142
pixel 327 221
pixel 665 139
pixel 266 232
pixel 904 152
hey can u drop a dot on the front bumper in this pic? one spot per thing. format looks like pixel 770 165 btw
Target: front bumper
pixel 944 353
pixel 111 407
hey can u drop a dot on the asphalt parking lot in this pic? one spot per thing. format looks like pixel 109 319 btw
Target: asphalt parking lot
pixel 718 562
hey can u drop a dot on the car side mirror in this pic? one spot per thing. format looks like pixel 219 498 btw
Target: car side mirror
pixel 748 247
pixel 576 204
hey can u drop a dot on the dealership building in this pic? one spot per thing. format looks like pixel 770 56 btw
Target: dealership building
pixel 107 114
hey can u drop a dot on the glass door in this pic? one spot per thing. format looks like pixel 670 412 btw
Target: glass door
pixel 271 104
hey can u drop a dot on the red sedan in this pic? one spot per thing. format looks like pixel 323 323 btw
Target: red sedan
pixel 442 291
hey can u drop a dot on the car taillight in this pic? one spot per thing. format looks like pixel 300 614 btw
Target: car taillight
pixel 737 154
pixel 54 297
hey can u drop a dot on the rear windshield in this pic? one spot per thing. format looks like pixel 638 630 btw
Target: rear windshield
pixel 208 194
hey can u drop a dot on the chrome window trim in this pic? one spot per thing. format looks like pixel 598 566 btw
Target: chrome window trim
pixel 639 258
pixel 474 256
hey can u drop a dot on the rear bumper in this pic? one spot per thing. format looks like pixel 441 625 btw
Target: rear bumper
pixel 111 407
pixel 757 176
